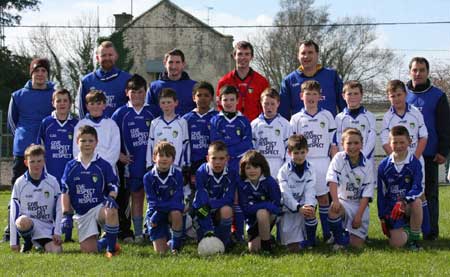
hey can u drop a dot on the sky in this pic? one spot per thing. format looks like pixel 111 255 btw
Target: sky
pixel 431 41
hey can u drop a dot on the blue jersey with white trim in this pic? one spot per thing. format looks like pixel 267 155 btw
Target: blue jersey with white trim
pixel 265 194
pixel 88 185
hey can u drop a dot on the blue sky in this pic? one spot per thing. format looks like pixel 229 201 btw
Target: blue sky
pixel 424 38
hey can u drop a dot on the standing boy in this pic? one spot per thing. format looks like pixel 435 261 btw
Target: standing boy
pixel 317 125
pixel 399 190
pixel 36 206
pixel 89 185
pixel 56 135
pixel 134 121
pixel 270 131
pixel 297 182
pixel 164 189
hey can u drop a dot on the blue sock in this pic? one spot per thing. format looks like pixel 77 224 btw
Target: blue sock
pixel 311 227
pixel 68 231
pixel 111 237
pixel 101 244
pixel 223 230
pixel 176 239
pixel 137 224
pixel 323 214
pixel 337 230
pixel 239 222
pixel 27 235
pixel 426 227
pixel 204 225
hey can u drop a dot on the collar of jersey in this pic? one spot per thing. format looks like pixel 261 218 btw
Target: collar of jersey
pixel 361 110
pixel 202 115
pixel 69 117
pixel 129 105
pixel 407 109
pixel 28 177
pixel 94 158
pixel 95 120
pixel 261 179
pixel 319 109
pixel 171 172
pixel 238 113
pixel 318 67
pixel 407 160
pixel 361 162
pixel 235 73
pixel 107 75
pixel 211 173
pixel 268 121
pixel 291 165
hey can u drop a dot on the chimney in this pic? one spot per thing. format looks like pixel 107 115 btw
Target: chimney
pixel 122 19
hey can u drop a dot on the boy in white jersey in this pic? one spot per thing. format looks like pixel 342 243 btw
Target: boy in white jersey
pixel 356 116
pixel 169 127
pixel 318 127
pixel 351 182
pixel 270 131
pixel 36 206
pixel 403 114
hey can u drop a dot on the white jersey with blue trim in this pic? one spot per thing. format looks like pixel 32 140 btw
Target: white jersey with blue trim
pixel 318 129
pixel 365 122
pixel 354 182
pixel 39 202
pixel 411 120
pixel 176 132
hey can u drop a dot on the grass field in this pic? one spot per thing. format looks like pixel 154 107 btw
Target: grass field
pixel 375 259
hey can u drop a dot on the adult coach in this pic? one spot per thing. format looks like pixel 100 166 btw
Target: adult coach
pixel 330 82
pixel 433 104
pixel 250 83
pixel 112 82
pixel 27 107
pixel 176 78
pixel 107 78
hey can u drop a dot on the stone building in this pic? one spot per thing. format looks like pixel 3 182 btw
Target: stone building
pixel 207 52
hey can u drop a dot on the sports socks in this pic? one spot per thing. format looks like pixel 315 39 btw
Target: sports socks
pixel 176 239
pixel 426 227
pixel 111 237
pixel 137 224
pixel 238 222
pixel 311 227
pixel 27 236
pixel 222 231
pixel 323 214
pixel 337 230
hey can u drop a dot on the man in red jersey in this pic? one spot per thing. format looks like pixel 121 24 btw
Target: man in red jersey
pixel 249 82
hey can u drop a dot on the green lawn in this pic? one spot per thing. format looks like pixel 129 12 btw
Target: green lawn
pixel 375 259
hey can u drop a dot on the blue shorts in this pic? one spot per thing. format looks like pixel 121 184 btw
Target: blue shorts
pixel 160 231
pixel 134 184
pixel 397 224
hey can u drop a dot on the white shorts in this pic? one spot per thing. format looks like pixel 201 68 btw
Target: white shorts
pixel 87 223
pixel 292 228
pixel 275 165
pixel 42 230
pixel 351 208
pixel 320 166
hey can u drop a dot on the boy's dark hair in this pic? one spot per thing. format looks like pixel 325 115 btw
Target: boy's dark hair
pixel 95 96
pixel 228 90
pixel 399 130
pixel 174 52
pixel 255 159
pixel 168 93
pixel 309 43
pixel 270 92
pixel 62 91
pixel 311 85
pixel 217 146
pixel 164 148
pixel 203 85
pixel 393 85
pixel 136 82
pixel 351 131
pixel 243 45
pixel 34 150
pixel 87 130
pixel 420 60
pixel 352 84
pixel 297 142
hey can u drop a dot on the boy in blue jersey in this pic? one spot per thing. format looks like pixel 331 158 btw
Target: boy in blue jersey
pixel 214 196
pixel 90 186
pixel 297 180
pixel 36 206
pixel 259 197
pixel 199 125
pixel 404 114
pixel 163 186
pixel 56 135
pixel 233 128
pixel 399 191
pixel 134 121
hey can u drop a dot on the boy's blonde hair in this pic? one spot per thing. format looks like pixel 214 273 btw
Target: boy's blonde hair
pixel 164 148
pixel 95 96
pixel 352 84
pixel 393 85
pixel 270 92
pixel 34 150
pixel 311 85
pixel 351 131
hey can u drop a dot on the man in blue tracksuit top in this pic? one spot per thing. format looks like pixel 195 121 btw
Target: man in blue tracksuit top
pixel 27 107
pixel 175 78
pixel 112 82
pixel 330 82
pixel 433 104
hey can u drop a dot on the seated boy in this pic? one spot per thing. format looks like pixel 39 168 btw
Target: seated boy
pixel 89 185
pixel 399 190
pixel 214 197
pixel 34 200
pixel 164 189
pixel 351 181
pixel 297 183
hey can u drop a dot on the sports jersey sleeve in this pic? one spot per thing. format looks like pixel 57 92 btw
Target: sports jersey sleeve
pixel 246 143
pixel 254 125
pixel 384 134
pixel 214 134
pixel 41 134
pixel 331 127
pixel 75 149
pixel 201 195
pixel 369 182
pixel 285 103
pixel 186 156
pixel 295 125
pixel 152 100
pixel 341 104
pixel 13 215
pixel 417 185
pixel 381 191
pixel 58 209
pixel 118 118
pixel 150 145
pixel 338 133
pixel 112 182
pixel 423 132
pixel 64 179
pixel 150 191
pixel 112 156
pixel 288 196
pixel 81 101
pixel 333 171
pixel 369 143
pixel 13 115
pixel 275 196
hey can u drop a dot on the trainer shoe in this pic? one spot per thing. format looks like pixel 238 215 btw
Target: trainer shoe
pixel 5 238
pixel 414 246
pixel 117 249
pixel 26 247
pixel 338 247
pixel 139 240
pixel 329 240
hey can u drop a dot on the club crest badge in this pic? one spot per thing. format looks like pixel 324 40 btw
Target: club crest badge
pixel 238 132
pixel 175 134
pixel 94 178
pixel 412 125
pixel 277 132
pixel 148 122
pixel 46 194
pixel 407 179
pixel 322 124
pixel 250 90
pixel 363 127
pixel 70 136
